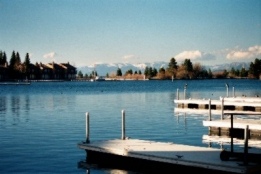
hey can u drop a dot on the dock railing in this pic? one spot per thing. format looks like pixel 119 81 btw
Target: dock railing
pixel 123 131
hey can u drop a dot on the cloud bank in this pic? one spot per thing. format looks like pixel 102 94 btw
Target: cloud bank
pixel 130 58
pixel 194 55
pixel 251 52
pixel 50 55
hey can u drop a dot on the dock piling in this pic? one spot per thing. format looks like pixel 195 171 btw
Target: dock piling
pixel 123 125
pixel 231 133
pixel 246 145
pixel 227 89
pixel 209 109
pixel 87 128
pixel 185 88
pixel 177 93
pixel 222 108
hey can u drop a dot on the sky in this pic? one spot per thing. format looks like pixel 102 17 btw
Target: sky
pixel 88 32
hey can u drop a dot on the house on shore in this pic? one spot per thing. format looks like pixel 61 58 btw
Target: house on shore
pixel 40 71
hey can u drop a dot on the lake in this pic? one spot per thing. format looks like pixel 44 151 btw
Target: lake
pixel 41 123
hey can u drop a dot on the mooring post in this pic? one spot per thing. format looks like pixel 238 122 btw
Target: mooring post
pixel 123 125
pixel 227 88
pixel 178 94
pixel 246 145
pixel 234 92
pixel 222 108
pixel 87 128
pixel 231 134
pixel 185 87
pixel 209 109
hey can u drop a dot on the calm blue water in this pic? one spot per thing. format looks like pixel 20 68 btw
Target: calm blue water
pixel 41 123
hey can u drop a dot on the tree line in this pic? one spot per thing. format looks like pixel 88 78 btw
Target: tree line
pixel 188 70
pixel 17 69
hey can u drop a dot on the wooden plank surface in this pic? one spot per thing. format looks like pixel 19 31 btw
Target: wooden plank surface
pixel 254 103
pixel 237 123
pixel 215 112
pixel 178 154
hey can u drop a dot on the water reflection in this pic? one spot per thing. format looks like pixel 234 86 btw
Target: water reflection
pixel 27 103
pixel 89 168
pixel 17 108
pixel 15 105
pixel 2 104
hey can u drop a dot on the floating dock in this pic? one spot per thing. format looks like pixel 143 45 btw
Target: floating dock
pixel 162 157
pixel 248 107
pixel 154 155
pixel 233 104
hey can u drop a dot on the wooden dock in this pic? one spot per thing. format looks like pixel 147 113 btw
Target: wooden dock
pixel 170 155
pixel 165 157
pixel 246 106
pixel 233 104
pixel 238 123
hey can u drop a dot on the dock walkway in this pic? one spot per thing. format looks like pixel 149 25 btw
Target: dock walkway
pixel 238 123
pixel 135 154
pixel 232 104
pixel 169 153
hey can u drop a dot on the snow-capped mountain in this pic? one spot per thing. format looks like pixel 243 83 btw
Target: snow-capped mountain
pixel 103 68
pixel 229 66
pixel 111 68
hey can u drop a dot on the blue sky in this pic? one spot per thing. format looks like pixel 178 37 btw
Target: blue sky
pixel 85 32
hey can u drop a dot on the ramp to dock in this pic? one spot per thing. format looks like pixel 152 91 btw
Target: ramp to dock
pixel 170 153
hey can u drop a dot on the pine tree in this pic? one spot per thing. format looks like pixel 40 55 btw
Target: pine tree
pixel 4 58
pixel 173 64
pixel 119 73
pixel 17 59
pixel 172 68
pixel 27 65
pixel 12 60
pixel 1 58
pixel 12 66
pixel 188 65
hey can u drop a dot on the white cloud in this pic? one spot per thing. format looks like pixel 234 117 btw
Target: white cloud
pixel 31 55
pixel 251 52
pixel 128 57
pixel 194 55
pixel 50 55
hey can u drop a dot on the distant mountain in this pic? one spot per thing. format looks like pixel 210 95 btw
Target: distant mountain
pixel 229 66
pixel 103 68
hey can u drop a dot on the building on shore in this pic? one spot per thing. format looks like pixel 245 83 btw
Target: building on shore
pixel 40 71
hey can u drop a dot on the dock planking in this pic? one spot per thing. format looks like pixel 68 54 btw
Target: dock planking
pixel 232 104
pixel 238 123
pixel 201 159
pixel 165 157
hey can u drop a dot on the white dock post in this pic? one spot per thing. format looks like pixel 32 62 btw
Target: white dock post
pixel 233 91
pixel 123 125
pixel 185 87
pixel 227 89
pixel 222 108
pixel 209 109
pixel 246 145
pixel 178 94
pixel 87 128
